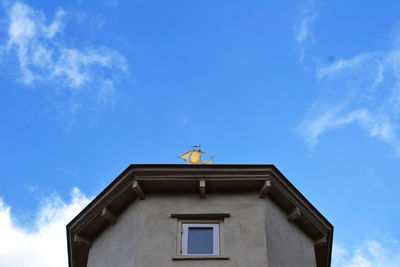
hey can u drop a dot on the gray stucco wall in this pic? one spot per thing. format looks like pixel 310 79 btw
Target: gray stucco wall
pixel 145 235
pixel 288 245
pixel 116 246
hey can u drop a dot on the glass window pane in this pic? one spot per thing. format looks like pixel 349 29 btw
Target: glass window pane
pixel 200 240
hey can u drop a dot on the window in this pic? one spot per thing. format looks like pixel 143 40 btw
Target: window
pixel 200 236
pixel 200 239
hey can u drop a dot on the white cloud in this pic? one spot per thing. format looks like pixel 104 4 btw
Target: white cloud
pixel 364 89
pixel 377 125
pixel 44 244
pixel 106 93
pixel 344 65
pixel 303 29
pixel 331 118
pixel 369 254
pixel 44 58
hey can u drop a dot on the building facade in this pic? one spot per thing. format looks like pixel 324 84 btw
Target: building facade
pixel 200 215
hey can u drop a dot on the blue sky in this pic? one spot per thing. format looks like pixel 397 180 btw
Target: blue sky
pixel 89 87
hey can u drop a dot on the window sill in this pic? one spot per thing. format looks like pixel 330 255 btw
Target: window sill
pixel 199 257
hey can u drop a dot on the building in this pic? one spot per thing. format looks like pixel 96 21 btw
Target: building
pixel 200 215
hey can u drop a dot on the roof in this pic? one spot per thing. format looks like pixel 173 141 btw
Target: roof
pixel 139 180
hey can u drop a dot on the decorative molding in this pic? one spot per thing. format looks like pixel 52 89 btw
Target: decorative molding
pixel 82 240
pixel 202 185
pixel 294 214
pixel 108 215
pixel 200 257
pixel 200 216
pixel 138 189
pixel 320 242
pixel 266 188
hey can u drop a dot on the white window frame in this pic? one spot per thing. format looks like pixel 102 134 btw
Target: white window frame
pixel 216 236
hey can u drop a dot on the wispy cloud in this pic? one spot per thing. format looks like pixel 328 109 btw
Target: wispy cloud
pixel 45 244
pixel 303 29
pixel 344 65
pixel 44 58
pixel 369 254
pixel 364 89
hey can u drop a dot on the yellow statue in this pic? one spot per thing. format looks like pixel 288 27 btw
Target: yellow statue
pixel 193 156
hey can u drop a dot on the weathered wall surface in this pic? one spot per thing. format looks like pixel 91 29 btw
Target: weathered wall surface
pixel 287 244
pixel 145 235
